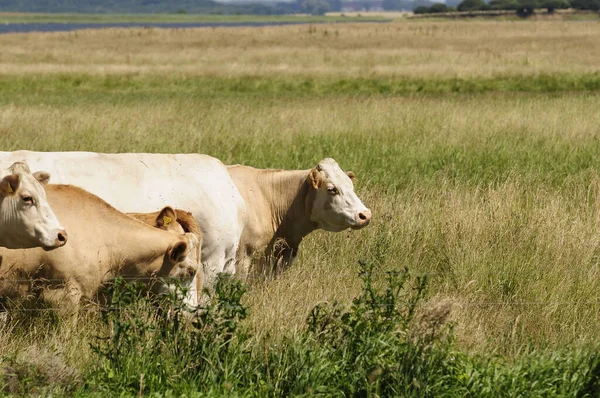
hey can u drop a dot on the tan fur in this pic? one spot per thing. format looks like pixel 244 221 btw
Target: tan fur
pixel 103 243
pixel 279 205
pixel 284 206
pixel 315 178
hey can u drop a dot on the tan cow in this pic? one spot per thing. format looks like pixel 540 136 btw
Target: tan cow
pixel 104 243
pixel 286 205
pixel 179 222
pixel 26 219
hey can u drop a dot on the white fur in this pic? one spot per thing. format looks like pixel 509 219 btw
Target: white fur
pixel 338 210
pixel 27 224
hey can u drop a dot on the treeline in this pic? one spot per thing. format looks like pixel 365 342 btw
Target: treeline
pixel 522 8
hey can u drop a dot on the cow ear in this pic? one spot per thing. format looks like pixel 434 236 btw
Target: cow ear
pixel 178 251
pixel 351 175
pixel 9 184
pixel 43 177
pixel 165 217
pixel 315 178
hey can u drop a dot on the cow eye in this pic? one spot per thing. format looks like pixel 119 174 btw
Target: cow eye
pixel 27 199
pixel 332 190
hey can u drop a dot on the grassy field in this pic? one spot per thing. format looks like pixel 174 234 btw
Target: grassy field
pixel 448 50
pixel 475 144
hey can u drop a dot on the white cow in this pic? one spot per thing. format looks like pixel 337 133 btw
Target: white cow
pixel 26 219
pixel 143 182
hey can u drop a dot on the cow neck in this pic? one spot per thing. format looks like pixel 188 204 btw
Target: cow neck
pixel 291 205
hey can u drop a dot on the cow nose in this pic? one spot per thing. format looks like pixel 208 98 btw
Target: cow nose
pixel 190 272
pixel 187 271
pixel 363 217
pixel 61 238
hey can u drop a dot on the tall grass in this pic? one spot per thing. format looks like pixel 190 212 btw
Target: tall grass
pixel 487 182
pixel 496 197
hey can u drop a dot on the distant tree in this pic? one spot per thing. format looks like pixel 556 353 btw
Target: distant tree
pixel 586 4
pixel 421 10
pixel 438 7
pixel 504 4
pixel 470 5
pixel 552 5
pixel 526 8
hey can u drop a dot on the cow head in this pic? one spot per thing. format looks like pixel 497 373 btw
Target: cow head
pixel 181 257
pixel 335 206
pixel 26 219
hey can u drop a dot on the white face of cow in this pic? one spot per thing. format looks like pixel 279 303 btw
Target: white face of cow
pixel 26 219
pixel 336 206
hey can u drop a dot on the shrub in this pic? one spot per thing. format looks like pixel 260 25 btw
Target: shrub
pixel 162 339
pixel 384 344
pixel 373 347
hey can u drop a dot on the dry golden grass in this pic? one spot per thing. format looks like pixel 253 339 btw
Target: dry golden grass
pixel 495 196
pixel 416 49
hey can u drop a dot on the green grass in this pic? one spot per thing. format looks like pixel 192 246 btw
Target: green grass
pixel 489 186
pixel 135 88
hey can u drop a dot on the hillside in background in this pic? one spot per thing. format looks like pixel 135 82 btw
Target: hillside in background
pixel 137 6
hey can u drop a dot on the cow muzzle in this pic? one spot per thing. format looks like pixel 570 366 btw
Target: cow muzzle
pixel 363 218
pixel 186 272
pixel 60 240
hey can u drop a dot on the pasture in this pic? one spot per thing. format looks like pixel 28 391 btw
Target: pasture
pixel 475 144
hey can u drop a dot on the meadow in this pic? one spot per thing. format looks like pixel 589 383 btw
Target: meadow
pixel 475 144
